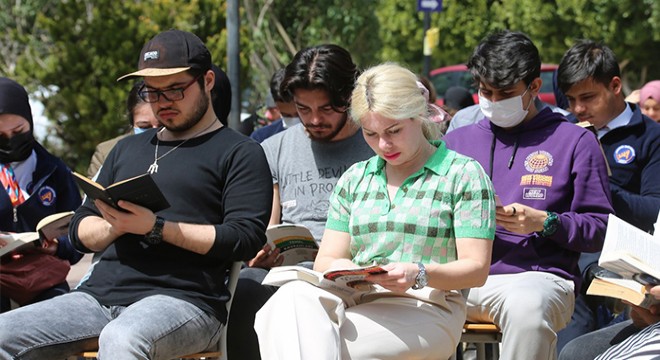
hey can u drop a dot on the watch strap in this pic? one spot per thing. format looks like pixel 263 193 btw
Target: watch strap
pixel 420 280
pixel 155 236
pixel 550 225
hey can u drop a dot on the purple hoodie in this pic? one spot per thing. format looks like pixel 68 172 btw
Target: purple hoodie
pixel 547 164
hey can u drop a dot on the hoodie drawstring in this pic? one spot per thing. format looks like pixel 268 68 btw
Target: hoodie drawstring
pixel 492 155
pixel 515 150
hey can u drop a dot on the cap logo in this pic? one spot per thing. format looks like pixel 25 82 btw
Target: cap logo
pixel 150 55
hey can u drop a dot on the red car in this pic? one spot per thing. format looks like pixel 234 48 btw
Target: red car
pixel 458 75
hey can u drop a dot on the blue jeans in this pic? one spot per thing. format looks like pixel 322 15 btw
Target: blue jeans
pixel 156 327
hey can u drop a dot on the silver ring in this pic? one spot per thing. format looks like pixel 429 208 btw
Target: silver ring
pixel 514 211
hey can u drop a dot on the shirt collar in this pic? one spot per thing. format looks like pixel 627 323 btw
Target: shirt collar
pixel 621 120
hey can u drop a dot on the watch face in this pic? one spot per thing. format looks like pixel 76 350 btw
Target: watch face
pixel 423 280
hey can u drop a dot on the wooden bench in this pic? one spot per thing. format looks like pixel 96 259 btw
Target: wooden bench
pixel 202 355
pixel 480 335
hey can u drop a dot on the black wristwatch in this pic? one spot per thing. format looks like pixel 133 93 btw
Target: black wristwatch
pixel 550 225
pixel 421 280
pixel 155 236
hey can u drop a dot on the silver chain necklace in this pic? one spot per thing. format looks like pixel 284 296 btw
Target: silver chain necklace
pixel 153 168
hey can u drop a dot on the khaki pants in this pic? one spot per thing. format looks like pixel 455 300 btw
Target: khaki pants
pixel 529 307
pixel 302 321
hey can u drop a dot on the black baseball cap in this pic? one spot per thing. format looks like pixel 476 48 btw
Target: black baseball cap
pixel 171 52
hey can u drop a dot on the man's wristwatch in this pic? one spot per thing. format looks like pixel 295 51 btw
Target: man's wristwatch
pixel 155 236
pixel 550 225
pixel 421 280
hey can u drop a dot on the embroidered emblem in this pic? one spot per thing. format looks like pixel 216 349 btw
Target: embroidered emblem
pixel 538 162
pixel 150 55
pixel 47 195
pixel 533 194
pixel 536 179
pixel 624 154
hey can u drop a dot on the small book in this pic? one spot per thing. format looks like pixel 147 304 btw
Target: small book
pixel 295 242
pixel 140 190
pixel 624 289
pixel 345 283
pixel 633 255
pixel 48 228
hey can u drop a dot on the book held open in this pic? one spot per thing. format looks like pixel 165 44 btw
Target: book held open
pixel 48 228
pixel 345 283
pixel 295 242
pixel 140 190
pixel 633 255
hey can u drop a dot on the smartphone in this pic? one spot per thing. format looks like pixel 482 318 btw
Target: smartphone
pixel 646 279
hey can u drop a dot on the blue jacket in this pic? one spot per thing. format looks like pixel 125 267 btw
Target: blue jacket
pixel 267 131
pixel 633 153
pixel 53 190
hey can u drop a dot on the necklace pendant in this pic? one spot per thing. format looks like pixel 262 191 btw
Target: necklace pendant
pixel 153 168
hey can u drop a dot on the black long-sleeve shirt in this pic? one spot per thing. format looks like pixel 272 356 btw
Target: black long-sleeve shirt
pixel 220 178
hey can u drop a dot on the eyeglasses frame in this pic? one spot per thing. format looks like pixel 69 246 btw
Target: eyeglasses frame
pixel 143 93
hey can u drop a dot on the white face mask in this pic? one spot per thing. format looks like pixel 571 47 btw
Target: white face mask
pixel 505 113
pixel 137 130
pixel 290 121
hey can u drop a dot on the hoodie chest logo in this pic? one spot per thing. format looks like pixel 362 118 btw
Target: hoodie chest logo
pixel 538 162
pixel 624 154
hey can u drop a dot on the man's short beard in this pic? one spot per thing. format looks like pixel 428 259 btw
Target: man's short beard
pixel 199 110
pixel 331 136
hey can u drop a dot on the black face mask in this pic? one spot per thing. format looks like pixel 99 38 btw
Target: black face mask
pixel 17 148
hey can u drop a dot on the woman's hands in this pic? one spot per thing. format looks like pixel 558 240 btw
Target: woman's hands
pixel 399 277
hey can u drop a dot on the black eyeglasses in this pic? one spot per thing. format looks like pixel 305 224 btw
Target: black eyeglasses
pixel 175 94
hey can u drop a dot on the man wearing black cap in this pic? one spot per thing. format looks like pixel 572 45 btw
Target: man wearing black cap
pixel 37 183
pixel 158 291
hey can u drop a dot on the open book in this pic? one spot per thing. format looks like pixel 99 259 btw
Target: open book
pixel 295 242
pixel 624 289
pixel 632 254
pixel 345 283
pixel 48 228
pixel 140 190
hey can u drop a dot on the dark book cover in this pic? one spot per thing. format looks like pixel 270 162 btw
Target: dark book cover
pixel 140 190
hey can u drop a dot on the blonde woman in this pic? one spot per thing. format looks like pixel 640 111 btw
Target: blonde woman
pixel 425 213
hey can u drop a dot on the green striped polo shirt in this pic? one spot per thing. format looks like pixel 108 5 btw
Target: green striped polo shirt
pixel 450 197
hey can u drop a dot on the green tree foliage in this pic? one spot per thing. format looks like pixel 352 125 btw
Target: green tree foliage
pixel 629 27
pixel 279 29
pixel 70 52
pixel 19 35
pixel 91 43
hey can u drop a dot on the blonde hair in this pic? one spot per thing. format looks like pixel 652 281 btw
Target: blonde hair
pixel 392 91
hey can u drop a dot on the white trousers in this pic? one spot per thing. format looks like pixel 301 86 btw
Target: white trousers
pixel 302 321
pixel 529 307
